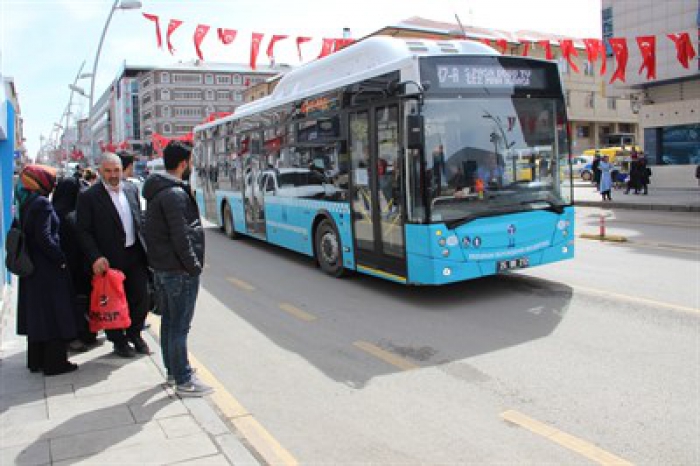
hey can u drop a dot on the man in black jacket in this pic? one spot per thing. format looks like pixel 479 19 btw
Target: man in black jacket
pixel 109 219
pixel 175 238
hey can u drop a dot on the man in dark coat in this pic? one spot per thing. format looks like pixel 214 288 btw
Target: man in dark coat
pixel 110 226
pixel 176 252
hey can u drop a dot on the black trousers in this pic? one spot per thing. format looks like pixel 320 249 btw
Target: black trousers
pixel 136 289
pixel 50 356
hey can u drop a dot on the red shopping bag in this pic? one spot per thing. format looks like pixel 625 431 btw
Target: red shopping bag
pixel 108 306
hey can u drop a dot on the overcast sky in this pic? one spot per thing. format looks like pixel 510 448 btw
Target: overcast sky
pixel 44 42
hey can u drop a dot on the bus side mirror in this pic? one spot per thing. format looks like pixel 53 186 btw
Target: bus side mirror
pixel 415 136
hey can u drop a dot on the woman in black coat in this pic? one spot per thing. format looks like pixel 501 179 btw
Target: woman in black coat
pixel 65 200
pixel 45 310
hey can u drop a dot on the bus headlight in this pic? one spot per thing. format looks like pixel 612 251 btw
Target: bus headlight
pixel 565 250
pixel 447 271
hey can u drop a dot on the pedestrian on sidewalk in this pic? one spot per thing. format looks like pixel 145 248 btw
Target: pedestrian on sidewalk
pixel 605 170
pixel 697 173
pixel 644 175
pixel 635 175
pixel 596 171
pixel 175 240
pixel 65 201
pixel 44 302
pixel 111 235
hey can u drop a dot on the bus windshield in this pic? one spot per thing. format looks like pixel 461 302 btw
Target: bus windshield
pixel 495 155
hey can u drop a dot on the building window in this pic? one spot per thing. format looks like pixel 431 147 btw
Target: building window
pixel 223 79
pixel 208 79
pixel 588 69
pixel 187 78
pixel 590 100
pixel 237 79
pixel 612 103
pixel 147 116
pixel 237 97
pixel 165 78
pixel 223 95
pixel 165 94
pixel 146 99
pixel 583 131
pixel 167 128
pixel 607 26
pixel 209 94
pixel 146 82
pixel 187 95
pixel 183 128
pixel 166 111
pixel 188 112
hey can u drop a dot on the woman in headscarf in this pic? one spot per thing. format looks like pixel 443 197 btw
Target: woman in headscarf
pixel 65 200
pixel 45 310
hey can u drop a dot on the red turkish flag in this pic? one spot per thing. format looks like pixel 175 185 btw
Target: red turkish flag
pixel 593 48
pixel 174 24
pixel 226 36
pixel 502 45
pixel 567 50
pixel 327 47
pixel 547 48
pixel 199 34
pixel 301 40
pixel 271 47
pixel 255 48
pixel 526 47
pixel 684 48
pixel 342 43
pixel 647 47
pixel 154 18
pixel 485 42
pixel 619 46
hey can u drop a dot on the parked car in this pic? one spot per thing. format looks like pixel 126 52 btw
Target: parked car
pixel 578 165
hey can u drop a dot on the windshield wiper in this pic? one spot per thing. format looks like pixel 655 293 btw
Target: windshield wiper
pixel 552 206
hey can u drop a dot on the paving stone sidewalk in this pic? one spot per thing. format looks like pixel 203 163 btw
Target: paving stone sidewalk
pixel 110 411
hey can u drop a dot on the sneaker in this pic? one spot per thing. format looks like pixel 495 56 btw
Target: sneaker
pixel 193 388
pixel 124 350
pixel 140 345
pixel 171 378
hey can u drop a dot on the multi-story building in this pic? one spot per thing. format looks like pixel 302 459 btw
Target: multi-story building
pixel 592 112
pixel 668 106
pixel 175 99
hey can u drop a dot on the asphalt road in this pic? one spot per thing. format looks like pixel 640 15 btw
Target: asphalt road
pixel 590 360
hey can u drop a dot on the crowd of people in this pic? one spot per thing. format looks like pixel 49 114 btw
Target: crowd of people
pixel 606 175
pixel 82 225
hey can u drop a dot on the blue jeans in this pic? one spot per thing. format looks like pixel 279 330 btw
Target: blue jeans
pixel 177 294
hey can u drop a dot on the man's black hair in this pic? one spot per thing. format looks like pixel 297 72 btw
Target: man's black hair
pixel 174 153
pixel 127 159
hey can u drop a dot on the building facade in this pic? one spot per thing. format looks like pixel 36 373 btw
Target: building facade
pixel 668 106
pixel 175 99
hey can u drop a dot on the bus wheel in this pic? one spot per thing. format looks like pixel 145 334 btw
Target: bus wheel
pixel 229 228
pixel 328 249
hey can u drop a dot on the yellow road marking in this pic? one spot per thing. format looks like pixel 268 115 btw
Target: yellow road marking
pixel 650 302
pixel 578 445
pixel 298 313
pixel 240 284
pixel 254 433
pixel 619 296
pixel 386 356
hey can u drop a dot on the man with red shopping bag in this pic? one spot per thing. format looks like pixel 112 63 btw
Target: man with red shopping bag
pixel 110 227
pixel 175 240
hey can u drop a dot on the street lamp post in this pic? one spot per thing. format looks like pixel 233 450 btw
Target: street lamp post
pixel 125 5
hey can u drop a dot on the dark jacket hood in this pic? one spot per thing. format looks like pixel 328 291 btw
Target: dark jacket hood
pixel 157 182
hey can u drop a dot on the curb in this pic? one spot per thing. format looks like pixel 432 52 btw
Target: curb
pixel 622 205
pixel 610 238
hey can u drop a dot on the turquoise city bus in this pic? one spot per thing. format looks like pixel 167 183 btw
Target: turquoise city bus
pixel 422 162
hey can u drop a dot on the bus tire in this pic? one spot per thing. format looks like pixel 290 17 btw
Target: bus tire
pixel 329 253
pixel 229 225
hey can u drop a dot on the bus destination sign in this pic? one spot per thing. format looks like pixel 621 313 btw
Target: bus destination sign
pixel 458 76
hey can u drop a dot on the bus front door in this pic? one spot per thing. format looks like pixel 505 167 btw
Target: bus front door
pixel 376 191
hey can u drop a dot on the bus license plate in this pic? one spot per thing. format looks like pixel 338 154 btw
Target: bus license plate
pixel 512 264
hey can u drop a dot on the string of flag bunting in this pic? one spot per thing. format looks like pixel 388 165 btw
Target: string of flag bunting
pixel 595 48
pixel 227 36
